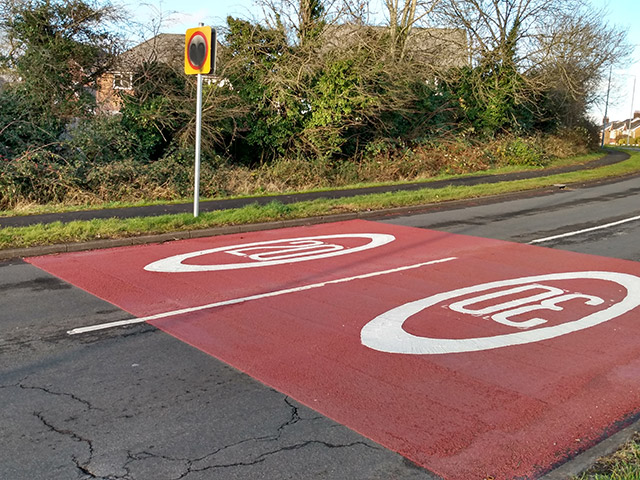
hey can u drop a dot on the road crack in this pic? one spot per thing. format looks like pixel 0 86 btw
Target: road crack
pixel 73 397
pixel 82 467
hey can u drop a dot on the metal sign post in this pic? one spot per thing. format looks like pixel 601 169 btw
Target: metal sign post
pixel 196 186
pixel 200 48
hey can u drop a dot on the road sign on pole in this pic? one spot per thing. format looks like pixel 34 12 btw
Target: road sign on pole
pixel 199 57
pixel 199 50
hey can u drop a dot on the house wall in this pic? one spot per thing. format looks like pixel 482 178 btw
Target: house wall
pixel 107 99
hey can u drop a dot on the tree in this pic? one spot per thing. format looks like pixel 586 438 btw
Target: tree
pixel 325 98
pixel 311 18
pixel 257 61
pixel 574 56
pixel 155 111
pixel 403 15
pixel 58 49
pixel 524 51
pixel 302 20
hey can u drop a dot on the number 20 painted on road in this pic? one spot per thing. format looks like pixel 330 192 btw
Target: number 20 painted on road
pixel 385 333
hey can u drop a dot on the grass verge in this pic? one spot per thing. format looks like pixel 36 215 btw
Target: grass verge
pixel 78 231
pixel 36 209
pixel 623 464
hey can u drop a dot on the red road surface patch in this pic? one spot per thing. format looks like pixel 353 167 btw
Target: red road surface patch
pixel 509 412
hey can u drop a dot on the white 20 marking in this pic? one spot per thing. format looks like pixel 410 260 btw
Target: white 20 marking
pixel 272 252
pixel 385 332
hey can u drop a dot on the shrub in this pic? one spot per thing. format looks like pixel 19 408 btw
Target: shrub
pixel 34 177
pixel 99 140
pixel 571 141
pixel 521 151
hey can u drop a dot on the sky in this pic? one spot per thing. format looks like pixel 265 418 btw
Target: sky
pixel 178 15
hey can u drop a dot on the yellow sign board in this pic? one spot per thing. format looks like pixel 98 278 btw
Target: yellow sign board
pixel 199 48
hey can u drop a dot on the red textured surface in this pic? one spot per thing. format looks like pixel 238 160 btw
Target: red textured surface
pixel 511 412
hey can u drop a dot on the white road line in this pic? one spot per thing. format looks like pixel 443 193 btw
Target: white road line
pixel 235 301
pixel 578 232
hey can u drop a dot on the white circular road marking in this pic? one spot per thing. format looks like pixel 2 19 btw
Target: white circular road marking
pixel 386 334
pixel 272 252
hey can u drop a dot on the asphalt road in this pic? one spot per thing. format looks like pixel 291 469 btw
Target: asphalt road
pixel 135 403
pixel 565 211
pixel 139 404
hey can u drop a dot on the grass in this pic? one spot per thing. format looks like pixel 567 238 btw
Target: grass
pixel 623 464
pixel 79 231
pixel 36 209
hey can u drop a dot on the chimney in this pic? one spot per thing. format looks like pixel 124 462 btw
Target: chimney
pixel 636 114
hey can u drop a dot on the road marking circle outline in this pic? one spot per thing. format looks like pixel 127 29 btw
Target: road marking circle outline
pixel 174 264
pixel 385 333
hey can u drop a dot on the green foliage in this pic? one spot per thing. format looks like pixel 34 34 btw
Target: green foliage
pixel 34 177
pixel 494 96
pixel 305 101
pixel 60 48
pixel 521 151
pixel 336 100
pixel 622 141
pixel 296 111
pixel 21 127
pixel 154 113
pixel 273 111
pixel 99 140
pixel 491 100
pixel 624 464
pixel 174 172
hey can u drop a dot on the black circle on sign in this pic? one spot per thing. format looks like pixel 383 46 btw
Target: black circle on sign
pixel 197 52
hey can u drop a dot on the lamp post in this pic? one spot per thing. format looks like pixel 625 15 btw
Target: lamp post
pixel 633 94
pixel 606 108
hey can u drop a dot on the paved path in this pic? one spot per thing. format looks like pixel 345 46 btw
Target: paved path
pixel 155 210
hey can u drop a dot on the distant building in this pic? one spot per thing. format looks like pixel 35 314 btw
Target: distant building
pixel 618 132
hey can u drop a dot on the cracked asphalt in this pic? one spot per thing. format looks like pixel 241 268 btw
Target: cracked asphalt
pixel 137 404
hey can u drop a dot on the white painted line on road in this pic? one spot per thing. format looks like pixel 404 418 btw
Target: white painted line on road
pixel 235 301
pixel 578 232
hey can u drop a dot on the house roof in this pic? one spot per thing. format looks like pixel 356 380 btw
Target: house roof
pixel 166 48
pixel 622 125
pixel 618 125
pixel 436 46
pixel 635 124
